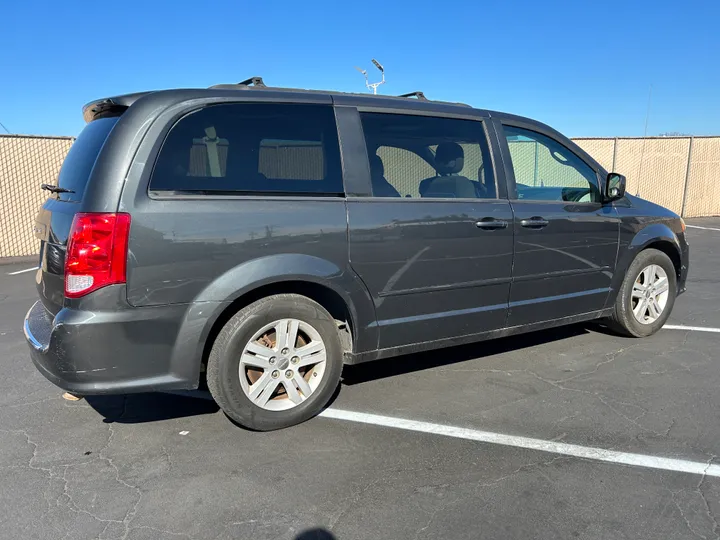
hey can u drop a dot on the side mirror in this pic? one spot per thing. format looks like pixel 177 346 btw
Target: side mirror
pixel 614 187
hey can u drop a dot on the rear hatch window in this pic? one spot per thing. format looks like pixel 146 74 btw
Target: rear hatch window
pixel 80 160
pixel 55 218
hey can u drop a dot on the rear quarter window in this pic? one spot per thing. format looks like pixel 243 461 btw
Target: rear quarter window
pixel 251 149
pixel 80 160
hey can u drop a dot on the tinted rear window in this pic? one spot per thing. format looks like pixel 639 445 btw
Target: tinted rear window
pixel 252 148
pixel 81 158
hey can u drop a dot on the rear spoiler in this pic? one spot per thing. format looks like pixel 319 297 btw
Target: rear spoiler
pixel 113 106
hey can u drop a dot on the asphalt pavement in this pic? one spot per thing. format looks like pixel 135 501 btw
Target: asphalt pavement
pixel 524 437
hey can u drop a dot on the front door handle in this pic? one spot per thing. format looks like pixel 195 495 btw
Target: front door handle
pixel 534 222
pixel 490 224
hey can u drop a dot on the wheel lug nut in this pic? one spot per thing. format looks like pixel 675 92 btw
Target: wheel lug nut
pixel 295 359
pixel 272 359
pixel 285 350
pixel 289 374
pixel 275 374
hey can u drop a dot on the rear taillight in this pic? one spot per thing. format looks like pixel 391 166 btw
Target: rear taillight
pixel 96 252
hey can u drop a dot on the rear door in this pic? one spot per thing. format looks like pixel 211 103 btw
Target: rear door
pixel 566 239
pixel 433 241
pixel 54 220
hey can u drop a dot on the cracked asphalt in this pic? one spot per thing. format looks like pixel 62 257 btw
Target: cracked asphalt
pixel 159 466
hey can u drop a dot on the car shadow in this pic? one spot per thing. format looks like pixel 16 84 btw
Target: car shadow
pixel 390 367
pixel 600 327
pixel 316 534
pixel 154 407
pixel 151 407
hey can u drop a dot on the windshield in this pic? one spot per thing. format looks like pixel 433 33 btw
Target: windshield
pixel 81 158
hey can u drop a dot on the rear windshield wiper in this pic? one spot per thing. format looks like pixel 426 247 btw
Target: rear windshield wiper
pixel 56 189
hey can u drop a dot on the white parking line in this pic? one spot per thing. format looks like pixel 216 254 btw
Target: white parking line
pixel 565 449
pixel 553 447
pixel 584 452
pixel 694 328
pixel 704 228
pixel 22 271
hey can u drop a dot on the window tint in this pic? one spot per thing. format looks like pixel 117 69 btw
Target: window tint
pixel 546 170
pixel 78 164
pixel 402 170
pixel 422 156
pixel 301 160
pixel 252 148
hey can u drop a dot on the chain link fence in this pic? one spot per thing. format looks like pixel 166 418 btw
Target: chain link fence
pixel 681 173
pixel 26 162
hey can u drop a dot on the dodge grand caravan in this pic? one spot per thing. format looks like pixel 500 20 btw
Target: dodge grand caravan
pixel 267 236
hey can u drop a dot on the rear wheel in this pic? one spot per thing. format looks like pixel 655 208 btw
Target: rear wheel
pixel 276 362
pixel 647 294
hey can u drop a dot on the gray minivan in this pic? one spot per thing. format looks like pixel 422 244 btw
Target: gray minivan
pixel 266 236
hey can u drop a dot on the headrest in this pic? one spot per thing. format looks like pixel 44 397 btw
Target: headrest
pixel 454 186
pixel 376 166
pixel 449 158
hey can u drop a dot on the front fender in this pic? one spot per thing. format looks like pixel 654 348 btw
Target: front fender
pixel 632 242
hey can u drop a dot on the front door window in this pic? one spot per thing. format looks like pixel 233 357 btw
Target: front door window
pixel 545 170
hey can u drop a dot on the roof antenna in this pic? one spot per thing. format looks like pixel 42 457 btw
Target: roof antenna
pixel 642 152
pixel 368 84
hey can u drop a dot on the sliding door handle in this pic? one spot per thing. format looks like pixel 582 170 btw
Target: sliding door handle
pixel 534 222
pixel 490 224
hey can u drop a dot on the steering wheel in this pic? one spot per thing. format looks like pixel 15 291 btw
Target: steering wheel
pixel 586 198
pixel 577 194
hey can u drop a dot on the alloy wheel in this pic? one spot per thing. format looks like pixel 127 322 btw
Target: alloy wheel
pixel 282 364
pixel 650 294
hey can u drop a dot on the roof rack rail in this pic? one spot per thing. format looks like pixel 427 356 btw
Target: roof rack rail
pixel 419 95
pixel 255 81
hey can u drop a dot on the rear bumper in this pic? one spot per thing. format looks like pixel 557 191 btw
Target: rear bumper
pixel 115 352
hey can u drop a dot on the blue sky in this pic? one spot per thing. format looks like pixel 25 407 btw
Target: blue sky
pixel 583 67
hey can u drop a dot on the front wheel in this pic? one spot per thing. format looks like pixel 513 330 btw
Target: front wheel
pixel 646 296
pixel 276 363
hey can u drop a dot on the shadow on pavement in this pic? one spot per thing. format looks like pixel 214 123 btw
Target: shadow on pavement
pixel 390 367
pixel 151 407
pixel 316 534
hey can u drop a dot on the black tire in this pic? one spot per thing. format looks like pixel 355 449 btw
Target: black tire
pixel 622 319
pixel 223 364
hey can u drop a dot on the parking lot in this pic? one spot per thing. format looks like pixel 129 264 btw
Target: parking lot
pixel 555 434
